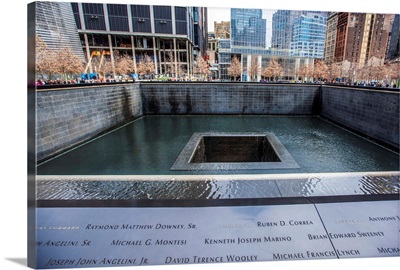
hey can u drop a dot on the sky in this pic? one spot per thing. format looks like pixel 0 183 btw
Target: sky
pixel 220 10
pixel 13 111
pixel 217 14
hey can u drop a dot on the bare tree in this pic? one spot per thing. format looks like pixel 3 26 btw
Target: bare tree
pixel 104 63
pixel 68 63
pixel 393 70
pixel 276 69
pixel 289 72
pixel 175 68
pixel 320 70
pixel 105 68
pixel 268 73
pixel 345 69
pixel 311 70
pixel 353 71
pixel 62 61
pixel 181 70
pixel 169 63
pixel 333 71
pixel 273 70
pixel 369 73
pixel 45 58
pixel 306 71
pixel 360 72
pixel 235 68
pixel 380 73
pixel 303 72
pixel 201 67
pixel 254 69
pixel 123 64
pixel 40 54
pixel 146 65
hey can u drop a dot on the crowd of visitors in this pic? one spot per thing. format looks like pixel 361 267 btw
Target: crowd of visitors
pixel 41 82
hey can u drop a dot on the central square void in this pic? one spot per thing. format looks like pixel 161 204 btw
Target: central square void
pixel 234 151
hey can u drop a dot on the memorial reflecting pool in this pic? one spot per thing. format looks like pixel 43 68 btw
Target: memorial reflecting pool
pixel 146 149
pixel 151 144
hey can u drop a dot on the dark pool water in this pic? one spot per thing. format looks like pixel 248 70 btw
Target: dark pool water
pixel 332 162
pixel 151 144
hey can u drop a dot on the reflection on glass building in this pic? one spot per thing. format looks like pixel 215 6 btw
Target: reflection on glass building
pixel 248 28
pixel 282 28
pixel 308 35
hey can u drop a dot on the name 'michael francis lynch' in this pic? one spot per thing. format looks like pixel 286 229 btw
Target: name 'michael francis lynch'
pixel 315 254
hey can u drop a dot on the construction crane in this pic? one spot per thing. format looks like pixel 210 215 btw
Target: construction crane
pixel 88 76
pixel 94 53
pixel 102 58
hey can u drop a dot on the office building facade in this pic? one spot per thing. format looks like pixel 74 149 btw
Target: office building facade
pixel 308 35
pixel 256 45
pixel 200 30
pixel 393 48
pixel 212 53
pixel 282 29
pixel 330 37
pixel 247 40
pixel 362 37
pixel 298 33
pixel 224 58
pixel 55 25
pixel 222 29
pixel 248 30
pixel 172 36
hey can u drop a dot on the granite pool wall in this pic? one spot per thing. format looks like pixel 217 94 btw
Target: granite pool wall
pixel 69 116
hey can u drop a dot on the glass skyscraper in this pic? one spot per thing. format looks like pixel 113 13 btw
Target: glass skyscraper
pixel 308 35
pixel 293 38
pixel 298 33
pixel 55 25
pixel 172 36
pixel 282 29
pixel 248 29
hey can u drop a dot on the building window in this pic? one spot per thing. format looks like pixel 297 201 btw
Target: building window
pixel 94 16
pixel 121 41
pixel 75 10
pixel 141 18
pixel 182 57
pixel 162 19
pixel 118 17
pixel 96 40
pixel 180 20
